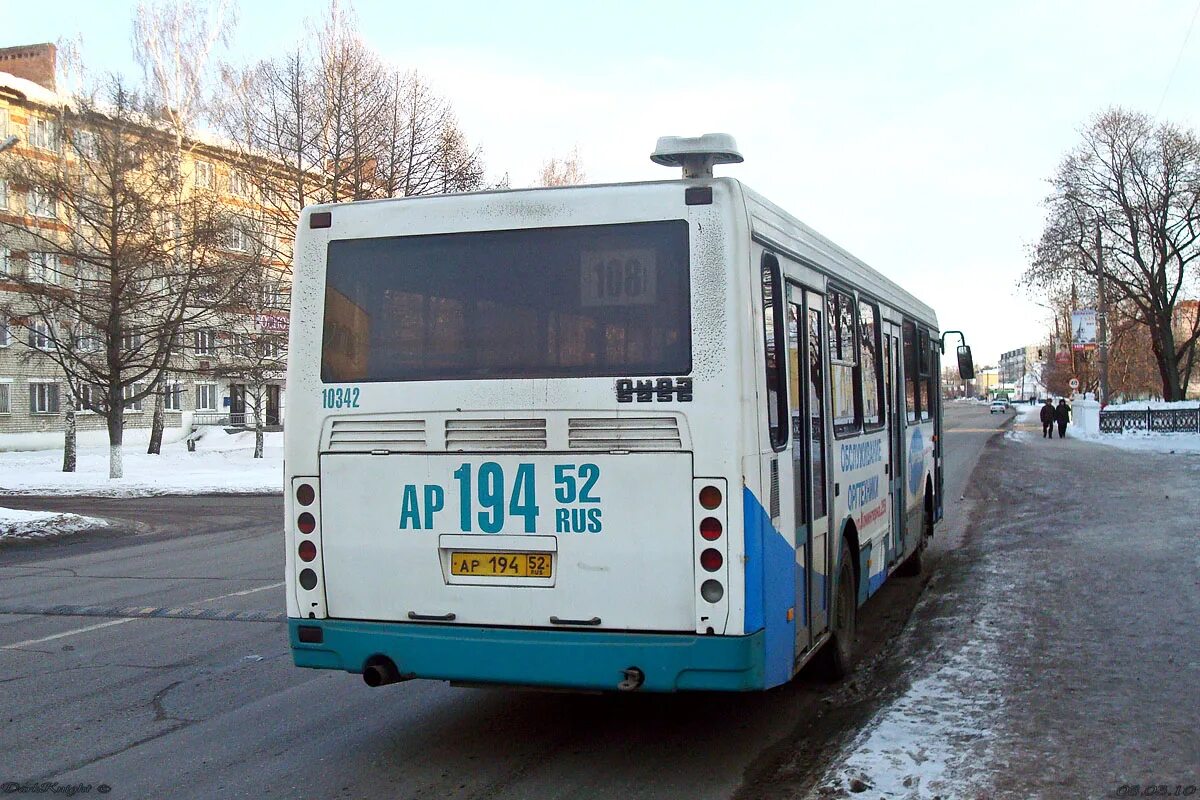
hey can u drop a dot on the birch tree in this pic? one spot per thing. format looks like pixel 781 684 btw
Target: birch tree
pixel 567 171
pixel 176 42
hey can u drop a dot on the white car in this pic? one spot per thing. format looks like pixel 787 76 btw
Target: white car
pixel 998 405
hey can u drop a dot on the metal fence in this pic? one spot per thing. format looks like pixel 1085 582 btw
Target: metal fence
pixel 1169 420
pixel 217 418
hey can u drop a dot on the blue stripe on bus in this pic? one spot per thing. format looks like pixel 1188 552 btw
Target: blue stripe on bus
pixel 569 659
pixel 771 575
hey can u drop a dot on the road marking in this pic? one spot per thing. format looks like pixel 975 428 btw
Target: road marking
pixel 130 614
pixel 973 430
pixel 244 592
pixel 64 634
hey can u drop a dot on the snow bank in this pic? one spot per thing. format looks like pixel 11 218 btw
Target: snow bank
pixel 1155 405
pixel 222 464
pixel 1142 440
pixel 16 524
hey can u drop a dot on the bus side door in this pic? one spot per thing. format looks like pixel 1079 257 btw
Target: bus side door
pixel 810 459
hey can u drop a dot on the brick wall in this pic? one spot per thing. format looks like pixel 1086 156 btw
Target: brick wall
pixel 33 62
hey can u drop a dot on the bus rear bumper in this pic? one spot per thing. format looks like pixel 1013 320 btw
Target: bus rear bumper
pixel 566 659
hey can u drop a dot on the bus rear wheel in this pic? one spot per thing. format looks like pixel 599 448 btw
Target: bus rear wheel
pixel 837 657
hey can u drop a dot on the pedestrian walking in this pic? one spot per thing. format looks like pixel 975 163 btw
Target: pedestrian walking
pixel 1062 415
pixel 1047 417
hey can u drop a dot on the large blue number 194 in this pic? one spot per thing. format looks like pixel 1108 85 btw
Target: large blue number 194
pixel 489 489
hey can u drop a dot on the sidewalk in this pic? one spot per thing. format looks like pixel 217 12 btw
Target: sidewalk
pixel 1057 651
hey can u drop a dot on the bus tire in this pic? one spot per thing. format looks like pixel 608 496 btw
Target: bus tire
pixel 836 659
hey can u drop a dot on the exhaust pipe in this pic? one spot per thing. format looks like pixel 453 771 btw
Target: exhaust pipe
pixel 632 680
pixel 380 672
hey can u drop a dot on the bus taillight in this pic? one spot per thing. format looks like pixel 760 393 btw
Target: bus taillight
pixel 710 497
pixel 305 494
pixel 711 560
pixel 710 528
pixel 307 550
pixel 306 522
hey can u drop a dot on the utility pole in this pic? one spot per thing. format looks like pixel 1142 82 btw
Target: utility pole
pixel 1101 319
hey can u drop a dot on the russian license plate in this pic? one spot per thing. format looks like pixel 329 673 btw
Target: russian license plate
pixel 500 565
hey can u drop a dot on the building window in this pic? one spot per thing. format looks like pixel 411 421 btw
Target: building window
pixel 40 205
pixel 5 333
pixel 173 396
pixel 43 398
pixel 235 237
pixel 88 340
pixel 238 184
pixel 3 123
pixel 127 393
pixel 131 342
pixel 206 342
pixel 3 193
pixel 43 268
pixel 89 397
pixel 43 133
pixel 204 175
pixel 5 262
pixel 85 144
pixel 206 397
pixel 40 335
pixel 5 396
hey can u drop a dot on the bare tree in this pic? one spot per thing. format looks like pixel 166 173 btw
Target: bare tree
pixel 252 348
pixel 115 258
pixel 566 171
pixel 335 123
pixel 175 43
pixel 1135 187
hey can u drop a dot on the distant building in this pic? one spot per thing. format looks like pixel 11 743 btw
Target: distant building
pixel 32 387
pixel 1020 371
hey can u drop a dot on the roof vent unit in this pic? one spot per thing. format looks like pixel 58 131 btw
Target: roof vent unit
pixel 698 154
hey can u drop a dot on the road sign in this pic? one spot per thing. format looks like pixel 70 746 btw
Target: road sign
pixel 1074 384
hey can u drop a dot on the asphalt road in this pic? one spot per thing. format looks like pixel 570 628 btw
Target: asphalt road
pixel 151 659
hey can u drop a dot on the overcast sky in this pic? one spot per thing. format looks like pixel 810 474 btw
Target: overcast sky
pixel 917 135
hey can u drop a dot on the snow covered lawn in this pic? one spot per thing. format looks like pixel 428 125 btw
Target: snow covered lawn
pixel 15 524
pixel 222 464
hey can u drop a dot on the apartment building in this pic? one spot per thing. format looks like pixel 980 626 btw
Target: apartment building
pixel 201 387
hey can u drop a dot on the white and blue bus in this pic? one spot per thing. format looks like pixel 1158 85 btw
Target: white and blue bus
pixel 657 436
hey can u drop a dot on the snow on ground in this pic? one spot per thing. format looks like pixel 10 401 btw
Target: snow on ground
pixel 1157 405
pixel 16 524
pixel 1141 440
pixel 222 464
pixel 935 739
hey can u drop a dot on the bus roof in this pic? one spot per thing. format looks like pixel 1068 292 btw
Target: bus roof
pixel 769 224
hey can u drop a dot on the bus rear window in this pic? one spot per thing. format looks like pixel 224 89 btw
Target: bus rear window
pixel 605 300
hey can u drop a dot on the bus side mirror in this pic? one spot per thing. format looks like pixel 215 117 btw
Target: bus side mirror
pixel 966 367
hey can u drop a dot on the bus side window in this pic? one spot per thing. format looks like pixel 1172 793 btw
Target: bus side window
pixel 775 348
pixel 870 363
pixel 934 372
pixel 911 398
pixel 923 382
pixel 844 378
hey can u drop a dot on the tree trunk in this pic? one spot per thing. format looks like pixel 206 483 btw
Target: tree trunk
pixel 69 449
pixel 116 434
pixel 258 421
pixel 156 424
